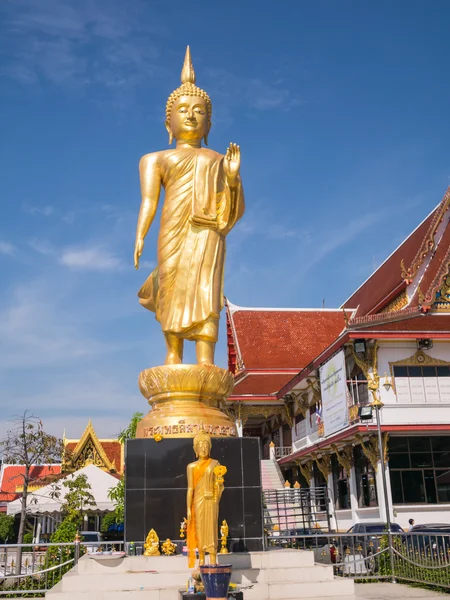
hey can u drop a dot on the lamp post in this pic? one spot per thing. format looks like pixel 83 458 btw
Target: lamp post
pixel 377 405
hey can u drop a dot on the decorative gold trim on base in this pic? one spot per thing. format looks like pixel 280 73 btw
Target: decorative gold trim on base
pixel 186 399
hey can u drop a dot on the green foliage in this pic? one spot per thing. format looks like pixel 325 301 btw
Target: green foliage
pixel 108 519
pixel 66 531
pixel 77 499
pixel 6 528
pixel 130 432
pixel 117 495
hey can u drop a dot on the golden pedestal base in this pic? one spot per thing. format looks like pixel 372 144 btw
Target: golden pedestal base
pixel 185 399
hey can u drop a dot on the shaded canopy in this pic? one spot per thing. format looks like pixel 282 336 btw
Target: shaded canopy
pixel 41 501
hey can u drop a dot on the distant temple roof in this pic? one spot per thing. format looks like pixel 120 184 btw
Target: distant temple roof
pixel 11 479
pixel 267 347
pixel 107 454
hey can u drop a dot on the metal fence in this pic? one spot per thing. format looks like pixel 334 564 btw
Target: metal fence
pixel 405 557
pixel 41 565
pixel 422 558
pixel 296 510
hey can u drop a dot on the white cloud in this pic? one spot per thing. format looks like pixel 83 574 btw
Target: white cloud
pixel 90 259
pixel 44 211
pixel 37 328
pixel 7 248
pixel 89 42
pixel 42 246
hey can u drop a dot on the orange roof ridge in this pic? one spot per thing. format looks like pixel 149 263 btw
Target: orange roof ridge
pixel 391 255
pixel 428 242
pixel 442 273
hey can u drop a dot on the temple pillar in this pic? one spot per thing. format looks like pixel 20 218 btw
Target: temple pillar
pixel 353 494
pixel 332 504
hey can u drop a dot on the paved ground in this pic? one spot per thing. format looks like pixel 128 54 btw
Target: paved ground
pixel 387 591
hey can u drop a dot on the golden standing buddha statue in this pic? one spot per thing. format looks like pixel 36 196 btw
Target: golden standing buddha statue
pixel 205 488
pixel 203 201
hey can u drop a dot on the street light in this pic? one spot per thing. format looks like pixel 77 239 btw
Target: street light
pixel 377 405
pixel 387 384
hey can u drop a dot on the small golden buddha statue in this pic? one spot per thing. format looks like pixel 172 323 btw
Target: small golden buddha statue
pixel 224 537
pixel 168 547
pixel 151 545
pixel 205 488
pixel 203 201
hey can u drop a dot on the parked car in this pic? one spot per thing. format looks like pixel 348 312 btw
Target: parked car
pixel 91 540
pixel 431 538
pixel 366 541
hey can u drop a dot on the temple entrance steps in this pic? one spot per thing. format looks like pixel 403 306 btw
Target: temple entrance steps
pixel 273 575
pixel 271 477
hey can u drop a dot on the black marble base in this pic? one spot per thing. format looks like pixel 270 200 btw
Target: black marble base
pixel 156 485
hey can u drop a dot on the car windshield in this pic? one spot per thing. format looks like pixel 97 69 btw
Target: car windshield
pixel 90 537
pixel 382 527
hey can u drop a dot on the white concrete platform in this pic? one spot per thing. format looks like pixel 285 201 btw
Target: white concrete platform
pixel 273 575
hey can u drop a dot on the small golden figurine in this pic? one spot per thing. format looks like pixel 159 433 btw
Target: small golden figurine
pixel 205 488
pixel 183 527
pixel 223 537
pixel 168 547
pixel 151 546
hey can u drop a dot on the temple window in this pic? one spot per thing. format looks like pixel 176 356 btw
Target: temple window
pixel 420 469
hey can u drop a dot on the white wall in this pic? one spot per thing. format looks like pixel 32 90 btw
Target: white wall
pixel 408 413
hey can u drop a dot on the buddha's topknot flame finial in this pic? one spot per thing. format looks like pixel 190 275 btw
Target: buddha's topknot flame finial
pixel 187 87
pixel 188 73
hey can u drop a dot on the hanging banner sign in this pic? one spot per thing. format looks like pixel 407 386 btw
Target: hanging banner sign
pixel 333 387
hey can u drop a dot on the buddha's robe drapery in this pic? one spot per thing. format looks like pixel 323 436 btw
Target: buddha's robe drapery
pixel 202 529
pixel 186 289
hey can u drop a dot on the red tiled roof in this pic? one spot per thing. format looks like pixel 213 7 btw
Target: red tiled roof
pixel 12 478
pixel 282 339
pixel 376 291
pixel 261 384
pixel 113 451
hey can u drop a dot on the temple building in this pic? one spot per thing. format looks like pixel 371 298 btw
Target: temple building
pixel 107 454
pixel 391 341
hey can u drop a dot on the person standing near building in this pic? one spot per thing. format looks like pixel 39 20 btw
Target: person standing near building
pixel 411 524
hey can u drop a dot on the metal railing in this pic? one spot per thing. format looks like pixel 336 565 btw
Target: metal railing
pixel 282 451
pixel 422 558
pixel 42 565
pixel 293 509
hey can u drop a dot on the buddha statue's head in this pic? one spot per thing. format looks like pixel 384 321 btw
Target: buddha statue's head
pixel 202 444
pixel 188 109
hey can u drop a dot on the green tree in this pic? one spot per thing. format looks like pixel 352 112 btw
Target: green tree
pixel 117 493
pixel 77 499
pixel 27 444
pixel 130 432
pixel 6 528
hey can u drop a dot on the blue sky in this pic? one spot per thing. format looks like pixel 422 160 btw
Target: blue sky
pixel 341 111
